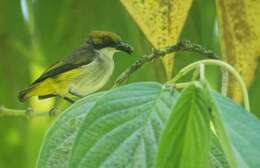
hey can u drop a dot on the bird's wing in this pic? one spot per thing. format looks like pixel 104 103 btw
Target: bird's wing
pixel 82 56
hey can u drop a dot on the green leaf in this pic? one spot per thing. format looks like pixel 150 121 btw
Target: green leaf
pixel 123 128
pixel 57 144
pixel 242 131
pixel 185 139
pixel 216 155
pixel 219 130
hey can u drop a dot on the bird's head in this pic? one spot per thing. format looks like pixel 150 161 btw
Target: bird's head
pixel 108 40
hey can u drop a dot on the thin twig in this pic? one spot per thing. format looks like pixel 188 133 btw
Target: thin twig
pixel 16 112
pixel 157 53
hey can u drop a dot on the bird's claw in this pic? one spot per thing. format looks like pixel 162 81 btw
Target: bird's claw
pixel 53 112
pixel 170 87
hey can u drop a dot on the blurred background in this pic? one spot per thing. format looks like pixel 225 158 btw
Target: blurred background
pixel 36 33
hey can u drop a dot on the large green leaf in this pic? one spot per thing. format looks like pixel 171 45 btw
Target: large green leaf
pixel 58 141
pixel 242 130
pixel 123 128
pixel 185 139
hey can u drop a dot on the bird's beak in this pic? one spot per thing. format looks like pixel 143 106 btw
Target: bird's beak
pixel 125 47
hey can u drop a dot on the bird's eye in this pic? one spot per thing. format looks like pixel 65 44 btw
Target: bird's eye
pixel 107 40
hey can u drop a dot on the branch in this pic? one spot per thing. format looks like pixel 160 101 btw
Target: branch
pixel 16 112
pixel 157 53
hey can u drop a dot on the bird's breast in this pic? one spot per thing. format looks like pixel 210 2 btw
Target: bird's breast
pixel 94 75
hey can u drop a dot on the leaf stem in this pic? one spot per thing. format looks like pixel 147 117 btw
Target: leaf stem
pixel 178 85
pixel 222 64
pixel 182 85
pixel 202 72
pixel 225 80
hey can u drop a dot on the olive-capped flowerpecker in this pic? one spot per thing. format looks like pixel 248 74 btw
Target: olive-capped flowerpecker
pixel 83 72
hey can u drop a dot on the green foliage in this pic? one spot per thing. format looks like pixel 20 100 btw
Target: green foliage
pixel 13 75
pixel 242 130
pixel 124 127
pixel 217 155
pixel 54 29
pixel 63 132
pixel 12 34
pixel 186 135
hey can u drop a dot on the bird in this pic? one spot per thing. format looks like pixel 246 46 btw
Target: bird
pixel 84 71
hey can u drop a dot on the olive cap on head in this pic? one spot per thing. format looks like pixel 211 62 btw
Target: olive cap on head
pixel 106 39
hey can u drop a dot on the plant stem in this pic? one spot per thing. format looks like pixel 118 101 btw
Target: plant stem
pixel 157 53
pixel 15 112
pixel 178 85
pixel 224 82
pixel 202 72
pixel 184 84
pixel 222 64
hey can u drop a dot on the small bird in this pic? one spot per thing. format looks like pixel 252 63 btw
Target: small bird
pixel 83 72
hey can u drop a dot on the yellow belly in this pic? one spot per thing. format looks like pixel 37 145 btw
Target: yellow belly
pixel 57 86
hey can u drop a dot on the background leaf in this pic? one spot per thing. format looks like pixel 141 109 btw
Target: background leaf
pixel 13 75
pixel 161 22
pixel 123 128
pixel 254 93
pixel 239 26
pixel 185 139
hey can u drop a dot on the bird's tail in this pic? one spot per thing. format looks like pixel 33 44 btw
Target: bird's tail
pixel 24 94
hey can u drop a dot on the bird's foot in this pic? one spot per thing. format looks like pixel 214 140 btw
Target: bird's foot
pixel 69 100
pixel 52 112
pixel 170 87
pixel 75 93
